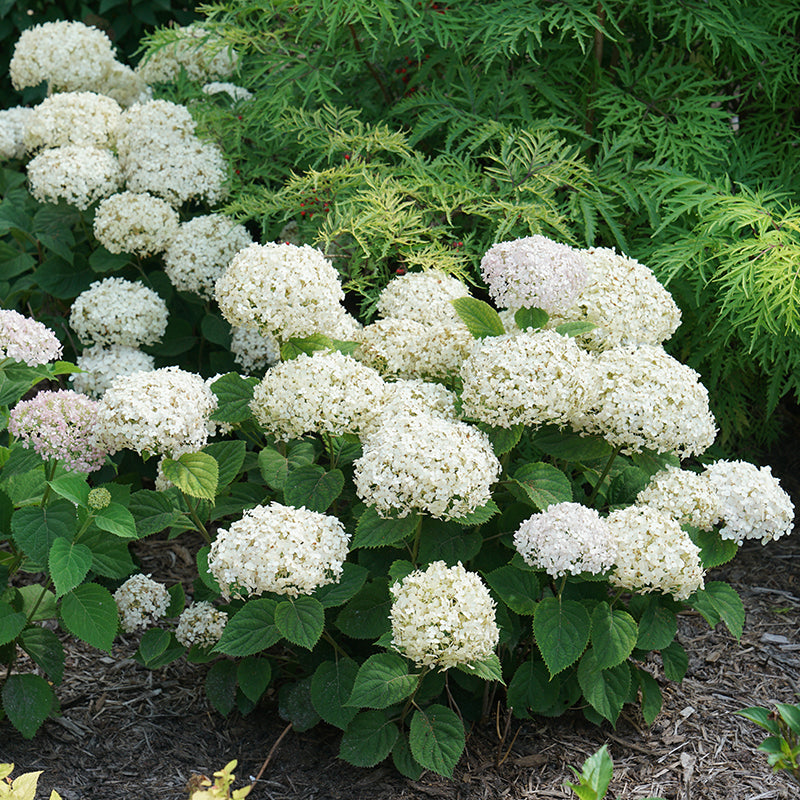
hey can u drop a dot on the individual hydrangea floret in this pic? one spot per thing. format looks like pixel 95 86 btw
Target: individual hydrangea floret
pixel 534 378
pixel 653 553
pixel 141 601
pixel 279 549
pixel 404 348
pixel 623 300
pixel 78 175
pixel 752 503
pixel 281 289
pixel 193 49
pixel 60 425
pixel 236 93
pixel 644 398
pixel 199 251
pixel 424 297
pixel 566 538
pixel 200 624
pixel 326 392
pixel 165 412
pixel 80 118
pixel 253 351
pixel 114 311
pixel 141 224
pixel 534 272
pixel 443 617
pixel 13 124
pixel 70 56
pixel 687 496
pixel 423 463
pixel 101 365
pixel 25 339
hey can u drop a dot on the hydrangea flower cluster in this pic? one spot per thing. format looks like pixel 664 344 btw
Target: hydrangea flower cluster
pixel 687 496
pixel 423 297
pixel 60 425
pixel 566 538
pixel 425 463
pixel 165 412
pixel 623 300
pixel 234 92
pixel 279 549
pixel 25 339
pixel 13 124
pixel 644 398
pixel 86 119
pixel 121 83
pixel 201 624
pixel 118 312
pixel 141 601
pixel 752 503
pixel 101 365
pixel 281 289
pixel 443 617
pixel 129 222
pixel 254 351
pixel 198 252
pixel 193 49
pixel 404 348
pixel 160 154
pixel 533 378
pixel 653 553
pixel 78 175
pixel 534 272
pixel 325 392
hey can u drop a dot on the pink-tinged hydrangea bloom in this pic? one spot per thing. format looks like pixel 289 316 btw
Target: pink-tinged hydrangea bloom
pixel 60 425
pixel 141 601
pixel 534 272
pixel 25 339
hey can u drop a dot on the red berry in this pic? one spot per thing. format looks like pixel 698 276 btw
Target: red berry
pixel 400 271
pixel 347 156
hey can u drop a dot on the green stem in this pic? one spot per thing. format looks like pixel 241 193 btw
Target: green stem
pixel 50 472
pixel 40 598
pixel 407 706
pixel 614 454
pixel 617 596
pixel 198 524
pixel 417 538
pixel 334 644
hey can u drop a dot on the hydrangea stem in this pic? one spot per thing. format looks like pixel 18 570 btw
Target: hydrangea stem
pixel 603 476
pixel 417 538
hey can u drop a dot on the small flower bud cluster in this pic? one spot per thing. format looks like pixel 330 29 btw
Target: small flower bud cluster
pixel 200 624
pixel 279 549
pixel 118 312
pixel 99 498
pixel 443 617
pixel 135 223
pixel 25 339
pixel 140 601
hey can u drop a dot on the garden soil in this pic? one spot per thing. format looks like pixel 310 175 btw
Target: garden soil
pixel 126 733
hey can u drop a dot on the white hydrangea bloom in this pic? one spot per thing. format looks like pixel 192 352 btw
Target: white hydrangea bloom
pixel 534 272
pixel 121 83
pixel 164 412
pixel 13 124
pixel 233 91
pixel 281 289
pixel 81 118
pixel 423 297
pixel 443 617
pixel 141 601
pixel 280 549
pixel 404 348
pixel 752 503
pixel 326 392
pixel 644 398
pixel 116 311
pixel 566 538
pixel 201 624
pixel 196 50
pixel 425 463
pixel 77 175
pixel 157 124
pixel 101 365
pixel 687 496
pixel 129 222
pixel 533 378
pixel 253 351
pixel 623 300
pixel 70 56
pixel 653 553
pixel 25 339
pixel 199 251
